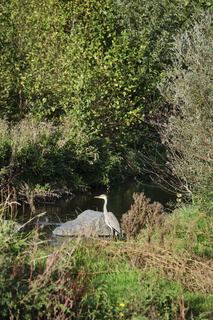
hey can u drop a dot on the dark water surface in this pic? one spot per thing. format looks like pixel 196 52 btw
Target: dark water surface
pixel 119 202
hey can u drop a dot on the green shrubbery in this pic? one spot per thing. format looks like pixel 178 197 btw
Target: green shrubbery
pixel 77 79
pixel 187 133
pixel 91 67
pixel 167 275
pixel 63 155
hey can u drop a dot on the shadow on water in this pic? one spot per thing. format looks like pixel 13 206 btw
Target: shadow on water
pixel 120 199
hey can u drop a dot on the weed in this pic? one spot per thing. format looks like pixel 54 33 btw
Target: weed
pixel 167 277
pixel 142 214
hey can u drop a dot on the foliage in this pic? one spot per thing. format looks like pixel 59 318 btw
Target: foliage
pixel 33 282
pixel 98 61
pixel 4 144
pixel 194 227
pixel 155 23
pixel 75 61
pixel 95 65
pixel 142 214
pixel 189 226
pixel 167 277
pixel 148 280
pixel 188 88
pixel 67 154
pixel 31 34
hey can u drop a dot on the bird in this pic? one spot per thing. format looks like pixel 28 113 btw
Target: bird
pixel 110 218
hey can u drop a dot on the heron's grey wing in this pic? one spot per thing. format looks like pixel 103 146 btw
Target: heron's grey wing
pixel 113 222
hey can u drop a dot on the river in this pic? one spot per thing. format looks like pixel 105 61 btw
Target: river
pixel 120 199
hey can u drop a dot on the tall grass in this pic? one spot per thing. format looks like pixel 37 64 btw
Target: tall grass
pixel 165 275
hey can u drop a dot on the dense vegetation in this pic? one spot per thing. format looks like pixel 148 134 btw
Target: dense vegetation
pixel 91 92
pixel 78 80
pixel 164 272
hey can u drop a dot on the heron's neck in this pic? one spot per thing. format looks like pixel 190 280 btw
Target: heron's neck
pixel 105 206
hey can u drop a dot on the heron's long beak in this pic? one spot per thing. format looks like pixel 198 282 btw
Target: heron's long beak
pixel 97 197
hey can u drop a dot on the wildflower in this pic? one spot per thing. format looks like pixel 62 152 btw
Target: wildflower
pixel 122 304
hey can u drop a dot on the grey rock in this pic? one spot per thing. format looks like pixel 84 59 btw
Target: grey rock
pixel 88 223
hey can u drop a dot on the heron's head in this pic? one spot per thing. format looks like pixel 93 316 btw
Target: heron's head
pixel 102 196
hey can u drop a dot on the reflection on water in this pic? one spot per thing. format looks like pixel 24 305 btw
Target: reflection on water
pixel 119 201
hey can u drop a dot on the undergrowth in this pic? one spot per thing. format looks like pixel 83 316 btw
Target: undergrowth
pixel 165 273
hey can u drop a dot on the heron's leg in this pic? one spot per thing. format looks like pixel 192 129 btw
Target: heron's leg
pixel 113 234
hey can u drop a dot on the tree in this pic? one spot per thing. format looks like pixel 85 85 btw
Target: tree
pixel 73 57
pixel 32 41
pixel 188 88
pixel 96 63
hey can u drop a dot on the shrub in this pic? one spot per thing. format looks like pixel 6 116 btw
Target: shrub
pixel 142 214
pixel 43 153
pixel 188 88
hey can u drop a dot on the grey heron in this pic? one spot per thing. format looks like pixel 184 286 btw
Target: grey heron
pixel 110 218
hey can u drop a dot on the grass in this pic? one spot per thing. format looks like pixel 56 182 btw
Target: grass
pixel 149 284
pixel 165 273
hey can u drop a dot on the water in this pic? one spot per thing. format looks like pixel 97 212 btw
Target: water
pixel 119 202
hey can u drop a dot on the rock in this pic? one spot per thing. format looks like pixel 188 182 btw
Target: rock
pixel 88 223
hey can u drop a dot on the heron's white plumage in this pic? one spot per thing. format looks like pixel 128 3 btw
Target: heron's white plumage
pixel 112 222
pixel 110 218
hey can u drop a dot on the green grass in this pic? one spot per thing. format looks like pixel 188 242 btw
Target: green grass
pixel 168 277
pixel 122 291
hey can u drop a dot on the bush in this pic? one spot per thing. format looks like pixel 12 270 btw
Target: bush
pixel 43 153
pixel 188 88
pixel 142 214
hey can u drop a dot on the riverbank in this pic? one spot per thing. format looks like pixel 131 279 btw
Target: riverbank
pixel 164 273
